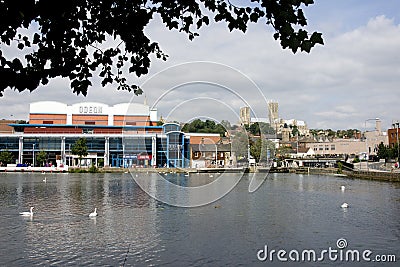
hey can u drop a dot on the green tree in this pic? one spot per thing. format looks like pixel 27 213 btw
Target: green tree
pixel 254 129
pixel 295 131
pixel 260 147
pixel 266 128
pixel 41 157
pixel 6 157
pixel 71 39
pixel 383 152
pixel 208 126
pixel 226 124
pixel 260 128
pixel 240 142
pixel 80 148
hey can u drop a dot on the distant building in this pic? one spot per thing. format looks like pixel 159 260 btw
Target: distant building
pixel 273 111
pixel 5 127
pixel 368 145
pixel 278 123
pixel 258 120
pixel 338 147
pixel 292 123
pixel 245 115
pixel 209 150
pixel 374 138
pixel 393 134
pixel 123 135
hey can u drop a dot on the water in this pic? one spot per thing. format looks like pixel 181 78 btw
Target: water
pixel 290 212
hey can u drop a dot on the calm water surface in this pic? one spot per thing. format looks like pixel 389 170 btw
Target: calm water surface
pixel 290 212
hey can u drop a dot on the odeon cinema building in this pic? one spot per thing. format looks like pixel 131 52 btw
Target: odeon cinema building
pixel 122 135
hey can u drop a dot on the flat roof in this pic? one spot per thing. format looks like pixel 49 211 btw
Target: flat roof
pixel 84 126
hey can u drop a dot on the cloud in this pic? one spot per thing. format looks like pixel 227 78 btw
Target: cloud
pixel 354 76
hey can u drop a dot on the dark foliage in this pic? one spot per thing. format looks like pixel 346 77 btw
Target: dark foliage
pixel 68 38
pixel 208 126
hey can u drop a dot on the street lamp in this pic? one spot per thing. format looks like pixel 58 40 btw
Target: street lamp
pixel 366 139
pixel 216 157
pixel 33 155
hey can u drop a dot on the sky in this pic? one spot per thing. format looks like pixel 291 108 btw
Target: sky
pixel 343 84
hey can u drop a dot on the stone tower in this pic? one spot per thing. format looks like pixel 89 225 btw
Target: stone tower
pixel 244 115
pixel 273 112
pixel 285 135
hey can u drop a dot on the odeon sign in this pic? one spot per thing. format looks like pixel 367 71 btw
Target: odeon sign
pixel 90 109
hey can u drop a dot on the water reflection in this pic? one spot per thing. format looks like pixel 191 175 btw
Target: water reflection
pixel 288 211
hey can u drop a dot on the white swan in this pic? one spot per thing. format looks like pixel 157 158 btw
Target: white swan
pixel 342 187
pixel 345 205
pixel 27 213
pixel 94 213
pixel 45 179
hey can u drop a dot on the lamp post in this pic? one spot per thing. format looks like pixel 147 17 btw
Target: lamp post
pixel 69 152
pixel 216 157
pixel 366 139
pixel 33 155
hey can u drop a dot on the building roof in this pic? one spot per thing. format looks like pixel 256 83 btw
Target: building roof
pixel 254 120
pixel 82 126
pixel 5 127
pixel 55 107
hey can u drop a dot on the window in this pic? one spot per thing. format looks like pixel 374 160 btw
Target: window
pixel 90 122
pixel 333 147
pixel 47 122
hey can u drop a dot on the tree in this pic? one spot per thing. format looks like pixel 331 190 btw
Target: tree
pixel 266 128
pixel 6 157
pixel 226 124
pixel 255 129
pixel 80 148
pixel 75 39
pixel 260 128
pixel 41 157
pixel 260 147
pixel 240 142
pixel 295 131
pixel 387 152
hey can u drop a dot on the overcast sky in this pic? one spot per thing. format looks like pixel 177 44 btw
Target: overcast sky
pixel 354 77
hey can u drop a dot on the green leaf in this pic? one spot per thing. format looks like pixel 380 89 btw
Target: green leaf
pixel 316 38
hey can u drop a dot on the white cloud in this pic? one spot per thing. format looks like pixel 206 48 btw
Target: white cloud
pixel 354 76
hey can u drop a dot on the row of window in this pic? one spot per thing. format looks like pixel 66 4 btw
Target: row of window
pixel 332 147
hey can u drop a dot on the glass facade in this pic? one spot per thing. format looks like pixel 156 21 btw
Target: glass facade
pixel 168 149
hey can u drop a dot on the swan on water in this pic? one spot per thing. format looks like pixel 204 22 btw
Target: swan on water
pixel 27 213
pixel 94 213
pixel 345 205
pixel 45 179
pixel 342 187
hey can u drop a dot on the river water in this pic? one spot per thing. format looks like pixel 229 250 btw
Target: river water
pixel 288 212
